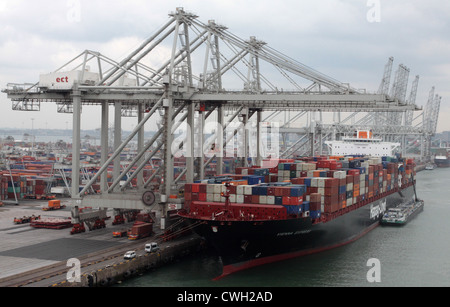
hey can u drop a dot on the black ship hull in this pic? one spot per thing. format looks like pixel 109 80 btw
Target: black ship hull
pixel 245 244
pixel 442 162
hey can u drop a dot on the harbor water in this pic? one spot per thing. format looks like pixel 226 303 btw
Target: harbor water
pixel 414 255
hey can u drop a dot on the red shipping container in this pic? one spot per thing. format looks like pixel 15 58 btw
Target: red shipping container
pixel 349 179
pixel 194 196
pixel 315 197
pixel 286 200
pixel 255 199
pixel 202 196
pixel 202 188
pixel 314 206
pixel 323 164
pixel 353 172
pixel 330 200
pixel 297 180
pixel 195 187
pixel 248 199
pixel 335 165
pixel 295 201
pixel 278 191
pixel 273 170
pixel 310 190
pixel 330 208
pixel 335 206
pixel 327 208
pixel 329 191
pixel 232 189
pixel 286 191
pixel 332 182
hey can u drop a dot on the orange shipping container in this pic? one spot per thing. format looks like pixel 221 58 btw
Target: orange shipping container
pixel 54 203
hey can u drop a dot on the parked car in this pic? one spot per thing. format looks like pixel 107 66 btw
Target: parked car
pixel 151 247
pixel 129 255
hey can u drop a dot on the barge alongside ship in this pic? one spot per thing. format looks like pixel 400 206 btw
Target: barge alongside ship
pixel 402 214
pixel 298 207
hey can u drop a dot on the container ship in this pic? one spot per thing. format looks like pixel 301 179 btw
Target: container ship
pixel 442 160
pixel 296 206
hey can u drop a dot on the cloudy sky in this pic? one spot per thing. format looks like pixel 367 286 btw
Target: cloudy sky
pixel 349 40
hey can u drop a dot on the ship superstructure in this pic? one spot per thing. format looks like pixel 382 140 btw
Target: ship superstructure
pixel 362 143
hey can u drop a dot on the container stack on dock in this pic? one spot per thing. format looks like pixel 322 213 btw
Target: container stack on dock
pixel 51 223
pixel 314 186
pixel 3 187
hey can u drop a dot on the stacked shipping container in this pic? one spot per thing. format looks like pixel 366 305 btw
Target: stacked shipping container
pixel 313 186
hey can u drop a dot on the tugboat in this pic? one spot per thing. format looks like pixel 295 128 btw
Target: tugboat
pixel 430 167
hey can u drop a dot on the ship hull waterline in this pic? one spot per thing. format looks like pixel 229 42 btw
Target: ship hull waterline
pixel 245 244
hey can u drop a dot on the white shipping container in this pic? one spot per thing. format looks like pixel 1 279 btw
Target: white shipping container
pixel 210 188
pixel 270 200
pixel 340 175
pixel 240 190
pixel 349 201
pixel 210 197
pixel 263 199
pixel 217 188
pixel 309 166
pixel 240 199
pixel 247 190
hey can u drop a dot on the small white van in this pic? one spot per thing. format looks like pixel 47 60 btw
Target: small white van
pixel 151 247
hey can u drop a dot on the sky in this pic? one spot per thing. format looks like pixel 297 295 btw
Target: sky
pixel 349 40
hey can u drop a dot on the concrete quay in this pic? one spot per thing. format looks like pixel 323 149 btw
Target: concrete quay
pixel 36 257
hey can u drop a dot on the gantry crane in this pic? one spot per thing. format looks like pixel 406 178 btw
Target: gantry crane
pixel 209 75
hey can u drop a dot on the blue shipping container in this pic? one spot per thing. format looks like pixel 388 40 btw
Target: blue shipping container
pixel 315 214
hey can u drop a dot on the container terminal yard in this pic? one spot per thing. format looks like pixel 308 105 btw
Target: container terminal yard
pixel 83 195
